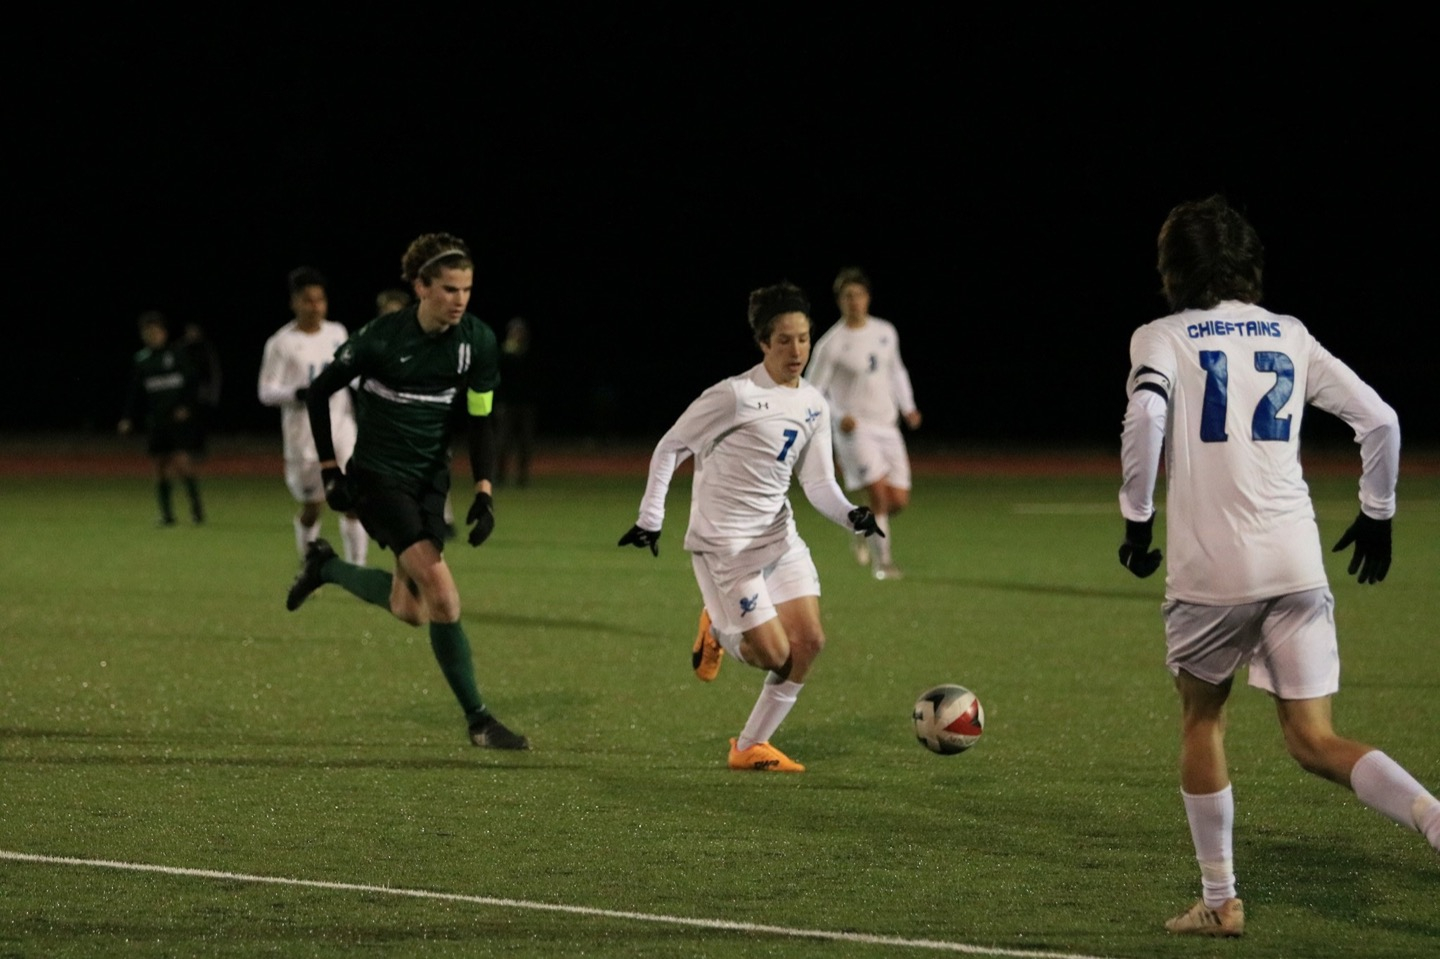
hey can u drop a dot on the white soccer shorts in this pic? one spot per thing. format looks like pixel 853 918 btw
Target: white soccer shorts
pixel 870 453
pixel 302 477
pixel 740 598
pixel 1288 642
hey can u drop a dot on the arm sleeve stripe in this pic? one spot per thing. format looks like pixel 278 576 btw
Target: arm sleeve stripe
pixel 479 404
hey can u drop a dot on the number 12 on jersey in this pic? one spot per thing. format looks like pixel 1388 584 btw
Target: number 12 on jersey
pixel 1266 423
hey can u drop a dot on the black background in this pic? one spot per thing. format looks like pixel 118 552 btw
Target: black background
pixel 626 175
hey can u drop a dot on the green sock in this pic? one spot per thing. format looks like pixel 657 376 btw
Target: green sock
pixel 192 489
pixel 370 584
pixel 162 497
pixel 452 652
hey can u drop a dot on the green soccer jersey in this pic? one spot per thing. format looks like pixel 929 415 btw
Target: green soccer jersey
pixel 410 382
pixel 163 381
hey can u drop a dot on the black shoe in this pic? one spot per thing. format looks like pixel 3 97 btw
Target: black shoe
pixel 488 732
pixel 317 554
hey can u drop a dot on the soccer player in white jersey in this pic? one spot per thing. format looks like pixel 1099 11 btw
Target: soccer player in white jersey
pixel 857 366
pixel 293 357
pixel 1221 385
pixel 749 435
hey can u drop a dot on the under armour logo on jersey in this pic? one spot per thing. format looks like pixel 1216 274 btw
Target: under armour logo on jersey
pixel 811 415
pixel 748 605
pixel 761 405
pixel 464 360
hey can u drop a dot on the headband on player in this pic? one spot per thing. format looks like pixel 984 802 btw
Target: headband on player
pixel 440 256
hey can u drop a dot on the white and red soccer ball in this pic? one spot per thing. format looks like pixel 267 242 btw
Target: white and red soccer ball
pixel 948 719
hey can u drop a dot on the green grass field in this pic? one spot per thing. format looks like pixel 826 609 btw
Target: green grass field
pixel 159 707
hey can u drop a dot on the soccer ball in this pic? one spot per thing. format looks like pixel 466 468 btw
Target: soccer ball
pixel 948 719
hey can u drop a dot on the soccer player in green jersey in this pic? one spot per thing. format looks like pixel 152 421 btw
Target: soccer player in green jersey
pixel 164 388
pixel 412 366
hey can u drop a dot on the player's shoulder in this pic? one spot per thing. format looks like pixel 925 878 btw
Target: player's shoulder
pixel 281 334
pixel 335 327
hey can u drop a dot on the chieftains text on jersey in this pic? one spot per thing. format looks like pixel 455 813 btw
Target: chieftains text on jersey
pixel 1225 328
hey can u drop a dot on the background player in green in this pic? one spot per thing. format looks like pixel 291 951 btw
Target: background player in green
pixel 163 387
pixel 412 365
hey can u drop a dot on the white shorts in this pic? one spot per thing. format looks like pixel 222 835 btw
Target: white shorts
pixel 871 453
pixel 1288 642
pixel 740 598
pixel 303 476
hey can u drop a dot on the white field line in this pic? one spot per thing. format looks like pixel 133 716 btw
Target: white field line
pixel 934 945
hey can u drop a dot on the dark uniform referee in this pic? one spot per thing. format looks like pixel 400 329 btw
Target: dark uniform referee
pixel 412 366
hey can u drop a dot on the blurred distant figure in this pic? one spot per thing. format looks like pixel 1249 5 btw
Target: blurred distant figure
pixel 163 389
pixel 857 366
pixel 392 300
pixel 293 357
pixel 516 404
pixel 205 361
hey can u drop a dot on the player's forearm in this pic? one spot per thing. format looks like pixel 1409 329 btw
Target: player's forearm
pixel 1141 441
pixel 275 394
pixel 482 452
pixel 663 463
pixel 829 500
pixel 317 406
pixel 1380 459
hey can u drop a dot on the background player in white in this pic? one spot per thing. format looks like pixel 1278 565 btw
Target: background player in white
pixel 1222 386
pixel 857 366
pixel 293 357
pixel 749 434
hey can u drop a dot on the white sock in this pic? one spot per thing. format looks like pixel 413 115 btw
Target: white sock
pixel 771 708
pixel 356 540
pixel 1380 783
pixel 304 535
pixel 880 545
pixel 1212 825
pixel 449 511
pixel 1426 813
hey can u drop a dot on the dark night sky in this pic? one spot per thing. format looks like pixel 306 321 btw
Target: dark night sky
pixel 625 178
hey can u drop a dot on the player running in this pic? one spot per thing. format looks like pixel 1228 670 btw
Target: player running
pixel 293 357
pixel 857 366
pixel 749 435
pixel 412 366
pixel 1221 386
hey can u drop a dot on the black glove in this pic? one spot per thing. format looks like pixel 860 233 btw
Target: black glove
pixel 482 514
pixel 863 521
pixel 635 536
pixel 301 393
pixel 337 489
pixel 1372 548
pixel 1135 552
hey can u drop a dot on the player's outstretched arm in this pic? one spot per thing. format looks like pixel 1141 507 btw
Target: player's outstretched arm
pixel 1372 540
